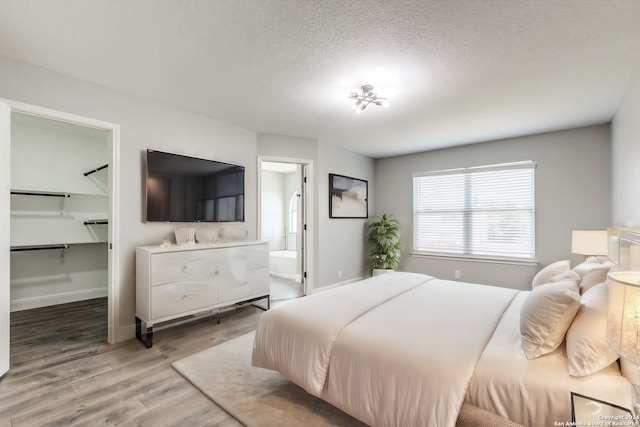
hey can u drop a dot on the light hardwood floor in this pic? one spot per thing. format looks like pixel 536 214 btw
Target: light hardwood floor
pixel 63 373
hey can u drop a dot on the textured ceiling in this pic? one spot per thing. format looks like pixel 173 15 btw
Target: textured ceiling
pixel 456 72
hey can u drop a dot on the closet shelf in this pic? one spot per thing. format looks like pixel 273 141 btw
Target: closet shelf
pixel 60 194
pixel 96 222
pixel 39 193
pixel 38 247
pixel 25 248
pixel 99 168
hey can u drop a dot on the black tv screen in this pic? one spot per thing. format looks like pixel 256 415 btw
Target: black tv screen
pixel 188 189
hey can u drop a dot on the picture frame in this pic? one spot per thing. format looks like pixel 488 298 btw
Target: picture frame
pixel 348 197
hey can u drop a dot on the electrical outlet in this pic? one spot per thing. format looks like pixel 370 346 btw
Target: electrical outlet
pixel 456 274
pixel 339 274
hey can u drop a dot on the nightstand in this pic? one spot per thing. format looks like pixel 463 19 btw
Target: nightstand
pixel 585 409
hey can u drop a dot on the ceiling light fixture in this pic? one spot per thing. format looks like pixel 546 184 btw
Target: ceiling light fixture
pixel 365 97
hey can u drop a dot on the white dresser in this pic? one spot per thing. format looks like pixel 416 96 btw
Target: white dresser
pixel 180 281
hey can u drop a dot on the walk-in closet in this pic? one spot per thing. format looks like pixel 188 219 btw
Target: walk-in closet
pixel 59 212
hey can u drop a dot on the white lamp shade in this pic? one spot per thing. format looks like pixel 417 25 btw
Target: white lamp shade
pixel 589 242
pixel 623 322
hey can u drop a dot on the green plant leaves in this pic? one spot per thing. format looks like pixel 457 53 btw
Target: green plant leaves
pixel 383 238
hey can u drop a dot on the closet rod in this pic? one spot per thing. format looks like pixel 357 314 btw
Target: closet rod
pixel 96 222
pixel 99 168
pixel 33 193
pixel 38 247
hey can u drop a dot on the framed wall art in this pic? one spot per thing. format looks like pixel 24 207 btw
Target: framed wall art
pixel 348 197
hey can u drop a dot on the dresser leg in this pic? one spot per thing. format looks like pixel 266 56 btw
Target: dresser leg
pixel 148 340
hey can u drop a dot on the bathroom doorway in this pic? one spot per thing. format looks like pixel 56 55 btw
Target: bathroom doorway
pixel 283 213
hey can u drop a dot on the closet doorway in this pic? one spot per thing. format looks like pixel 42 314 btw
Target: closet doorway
pixel 62 218
pixel 284 223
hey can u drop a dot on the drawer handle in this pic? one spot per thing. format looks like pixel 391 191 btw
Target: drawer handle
pixel 184 268
pixel 192 290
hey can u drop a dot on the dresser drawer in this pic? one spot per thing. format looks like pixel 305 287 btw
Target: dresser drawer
pixel 182 297
pixel 245 257
pixel 234 286
pixel 182 266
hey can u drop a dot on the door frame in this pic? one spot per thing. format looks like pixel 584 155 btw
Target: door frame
pixel 113 130
pixel 308 241
pixel 5 243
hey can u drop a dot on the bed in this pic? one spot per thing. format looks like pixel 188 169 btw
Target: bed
pixel 410 349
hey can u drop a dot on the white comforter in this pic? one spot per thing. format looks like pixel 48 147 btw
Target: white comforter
pixel 386 364
pixel 535 392
pixel 405 349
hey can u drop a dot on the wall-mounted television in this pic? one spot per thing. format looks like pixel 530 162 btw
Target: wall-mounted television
pixel 189 189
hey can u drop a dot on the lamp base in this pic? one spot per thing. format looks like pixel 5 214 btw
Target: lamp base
pixel 631 372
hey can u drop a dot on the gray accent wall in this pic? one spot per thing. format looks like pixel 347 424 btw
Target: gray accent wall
pixel 573 188
pixel 626 160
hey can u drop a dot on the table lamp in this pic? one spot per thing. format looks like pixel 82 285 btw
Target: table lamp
pixel 589 242
pixel 623 324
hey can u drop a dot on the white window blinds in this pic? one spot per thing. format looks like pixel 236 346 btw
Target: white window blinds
pixel 486 211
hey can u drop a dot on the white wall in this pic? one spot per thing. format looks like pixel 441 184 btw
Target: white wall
pixel 273 215
pixel 277 189
pixel 342 242
pixel 50 156
pixel 292 185
pixel 142 125
pixel 626 160
pixel 572 192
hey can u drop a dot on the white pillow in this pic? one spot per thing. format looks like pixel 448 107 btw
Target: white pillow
pixel 567 275
pixel 591 272
pixel 587 266
pixel 546 314
pixel 593 278
pixel 549 272
pixel 587 347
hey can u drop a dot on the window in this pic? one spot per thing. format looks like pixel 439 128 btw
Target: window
pixel 293 213
pixel 480 212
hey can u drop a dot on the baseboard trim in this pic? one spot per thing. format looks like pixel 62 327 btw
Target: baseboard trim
pixel 47 300
pixel 126 332
pixel 295 277
pixel 335 285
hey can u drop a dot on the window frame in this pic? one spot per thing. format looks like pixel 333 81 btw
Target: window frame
pixel 467 230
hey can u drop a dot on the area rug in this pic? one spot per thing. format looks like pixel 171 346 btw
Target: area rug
pixel 256 396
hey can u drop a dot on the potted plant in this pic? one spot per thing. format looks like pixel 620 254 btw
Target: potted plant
pixel 383 238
